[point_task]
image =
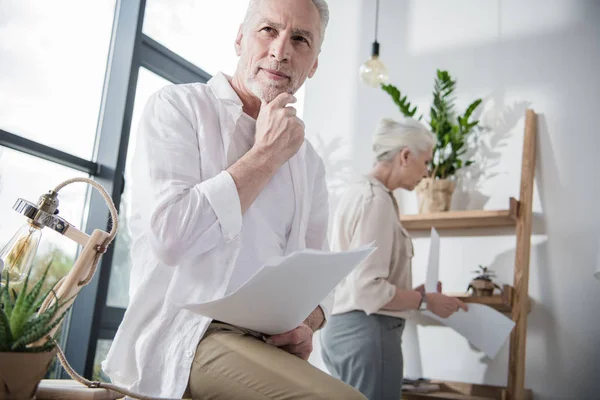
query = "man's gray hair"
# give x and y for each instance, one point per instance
(321, 5)
(392, 136)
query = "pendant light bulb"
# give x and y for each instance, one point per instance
(373, 72)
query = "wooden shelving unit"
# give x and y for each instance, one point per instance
(515, 298)
(463, 219)
(502, 302)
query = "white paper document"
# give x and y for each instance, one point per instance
(285, 291)
(483, 326)
(433, 270)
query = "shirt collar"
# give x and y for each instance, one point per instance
(220, 84)
(375, 182)
(231, 105)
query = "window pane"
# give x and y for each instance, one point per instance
(102, 348)
(118, 288)
(201, 31)
(53, 60)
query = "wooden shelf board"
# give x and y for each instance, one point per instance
(501, 302)
(463, 219)
(464, 391)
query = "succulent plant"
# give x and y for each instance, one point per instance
(21, 326)
(484, 274)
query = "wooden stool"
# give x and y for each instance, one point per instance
(66, 389)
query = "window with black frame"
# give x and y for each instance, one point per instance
(54, 57)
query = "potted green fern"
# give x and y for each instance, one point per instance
(451, 130)
(26, 351)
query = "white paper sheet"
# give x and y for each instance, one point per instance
(433, 269)
(285, 291)
(483, 326)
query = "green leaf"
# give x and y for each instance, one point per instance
(47, 316)
(20, 314)
(451, 130)
(35, 292)
(471, 109)
(41, 319)
(471, 125)
(26, 303)
(7, 298)
(401, 101)
(41, 300)
(37, 333)
(18, 321)
(5, 333)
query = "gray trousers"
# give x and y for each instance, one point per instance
(365, 352)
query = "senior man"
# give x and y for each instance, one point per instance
(223, 180)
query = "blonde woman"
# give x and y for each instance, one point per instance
(362, 339)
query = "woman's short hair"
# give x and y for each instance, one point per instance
(392, 136)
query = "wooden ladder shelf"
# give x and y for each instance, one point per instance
(514, 299)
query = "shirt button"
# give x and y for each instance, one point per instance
(189, 354)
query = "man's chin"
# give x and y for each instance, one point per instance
(269, 93)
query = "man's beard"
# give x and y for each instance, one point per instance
(270, 89)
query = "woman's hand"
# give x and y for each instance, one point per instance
(444, 306)
(421, 288)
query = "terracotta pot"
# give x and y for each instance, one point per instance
(482, 287)
(20, 374)
(434, 195)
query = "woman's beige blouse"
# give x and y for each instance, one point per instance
(368, 213)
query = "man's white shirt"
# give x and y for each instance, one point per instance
(268, 221)
(190, 241)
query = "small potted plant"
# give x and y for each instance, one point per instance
(451, 130)
(483, 284)
(26, 351)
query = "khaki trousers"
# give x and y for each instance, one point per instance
(235, 364)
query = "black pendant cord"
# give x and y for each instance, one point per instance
(376, 18)
(375, 49)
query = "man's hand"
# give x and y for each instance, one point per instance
(279, 135)
(444, 306)
(297, 342)
(315, 319)
(279, 132)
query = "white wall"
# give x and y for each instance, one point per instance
(514, 54)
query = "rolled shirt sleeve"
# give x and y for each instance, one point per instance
(184, 215)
